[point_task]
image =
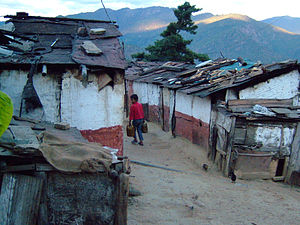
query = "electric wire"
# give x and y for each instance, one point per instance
(106, 11)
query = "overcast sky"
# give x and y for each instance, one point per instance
(257, 9)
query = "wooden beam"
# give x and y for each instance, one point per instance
(26, 119)
(265, 102)
(44, 167)
(285, 166)
(17, 168)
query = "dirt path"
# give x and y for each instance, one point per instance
(207, 198)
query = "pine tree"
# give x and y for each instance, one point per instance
(172, 46)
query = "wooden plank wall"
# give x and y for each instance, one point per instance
(20, 199)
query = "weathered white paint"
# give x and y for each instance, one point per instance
(86, 108)
(141, 89)
(48, 92)
(282, 87)
(270, 136)
(296, 101)
(184, 103)
(194, 106)
(231, 94)
(147, 93)
(201, 108)
(288, 136)
(12, 82)
(153, 94)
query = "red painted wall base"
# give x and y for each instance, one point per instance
(193, 129)
(154, 114)
(108, 136)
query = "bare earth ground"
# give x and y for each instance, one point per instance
(207, 198)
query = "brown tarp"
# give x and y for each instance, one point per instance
(71, 156)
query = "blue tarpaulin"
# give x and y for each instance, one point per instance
(238, 66)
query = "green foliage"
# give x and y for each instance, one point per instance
(6, 111)
(183, 14)
(173, 47)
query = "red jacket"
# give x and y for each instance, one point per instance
(136, 111)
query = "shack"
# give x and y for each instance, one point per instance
(209, 101)
(53, 176)
(66, 70)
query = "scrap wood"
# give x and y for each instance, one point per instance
(103, 80)
(273, 103)
(25, 119)
(7, 144)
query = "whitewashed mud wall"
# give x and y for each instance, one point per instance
(151, 95)
(87, 108)
(192, 118)
(147, 93)
(97, 114)
(12, 83)
(282, 87)
(275, 137)
(81, 107)
(194, 106)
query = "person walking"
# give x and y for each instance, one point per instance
(136, 116)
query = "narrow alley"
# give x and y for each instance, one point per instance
(198, 196)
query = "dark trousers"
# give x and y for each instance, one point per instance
(138, 127)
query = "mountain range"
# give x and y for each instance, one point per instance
(231, 35)
(288, 23)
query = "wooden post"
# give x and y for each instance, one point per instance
(122, 199)
(20, 199)
(295, 152)
(161, 108)
(229, 147)
(43, 209)
(214, 143)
